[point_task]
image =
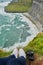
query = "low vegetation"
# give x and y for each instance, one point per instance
(21, 6)
(4, 54)
(41, 17)
(36, 44)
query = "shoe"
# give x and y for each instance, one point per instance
(15, 52)
(22, 53)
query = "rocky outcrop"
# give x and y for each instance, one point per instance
(37, 11)
(14, 0)
(37, 7)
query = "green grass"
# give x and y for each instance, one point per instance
(36, 44)
(19, 6)
(41, 17)
(16, 8)
(4, 54)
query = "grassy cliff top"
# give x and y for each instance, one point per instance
(4, 54)
(36, 44)
(21, 6)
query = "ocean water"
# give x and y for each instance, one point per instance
(15, 29)
(4, 0)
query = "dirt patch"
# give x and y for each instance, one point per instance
(37, 60)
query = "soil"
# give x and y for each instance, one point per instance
(38, 60)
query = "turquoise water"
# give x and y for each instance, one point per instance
(15, 28)
(11, 32)
(4, 0)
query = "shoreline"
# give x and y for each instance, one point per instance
(28, 38)
(23, 44)
(34, 22)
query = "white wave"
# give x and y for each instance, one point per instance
(5, 26)
(0, 32)
(8, 29)
(20, 26)
(4, 3)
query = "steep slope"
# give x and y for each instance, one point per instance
(37, 11)
(36, 44)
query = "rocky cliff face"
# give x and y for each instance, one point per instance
(37, 10)
(14, 0)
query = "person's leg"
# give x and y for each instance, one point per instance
(13, 61)
(22, 53)
(22, 57)
(22, 60)
(18, 61)
(15, 52)
(3, 61)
